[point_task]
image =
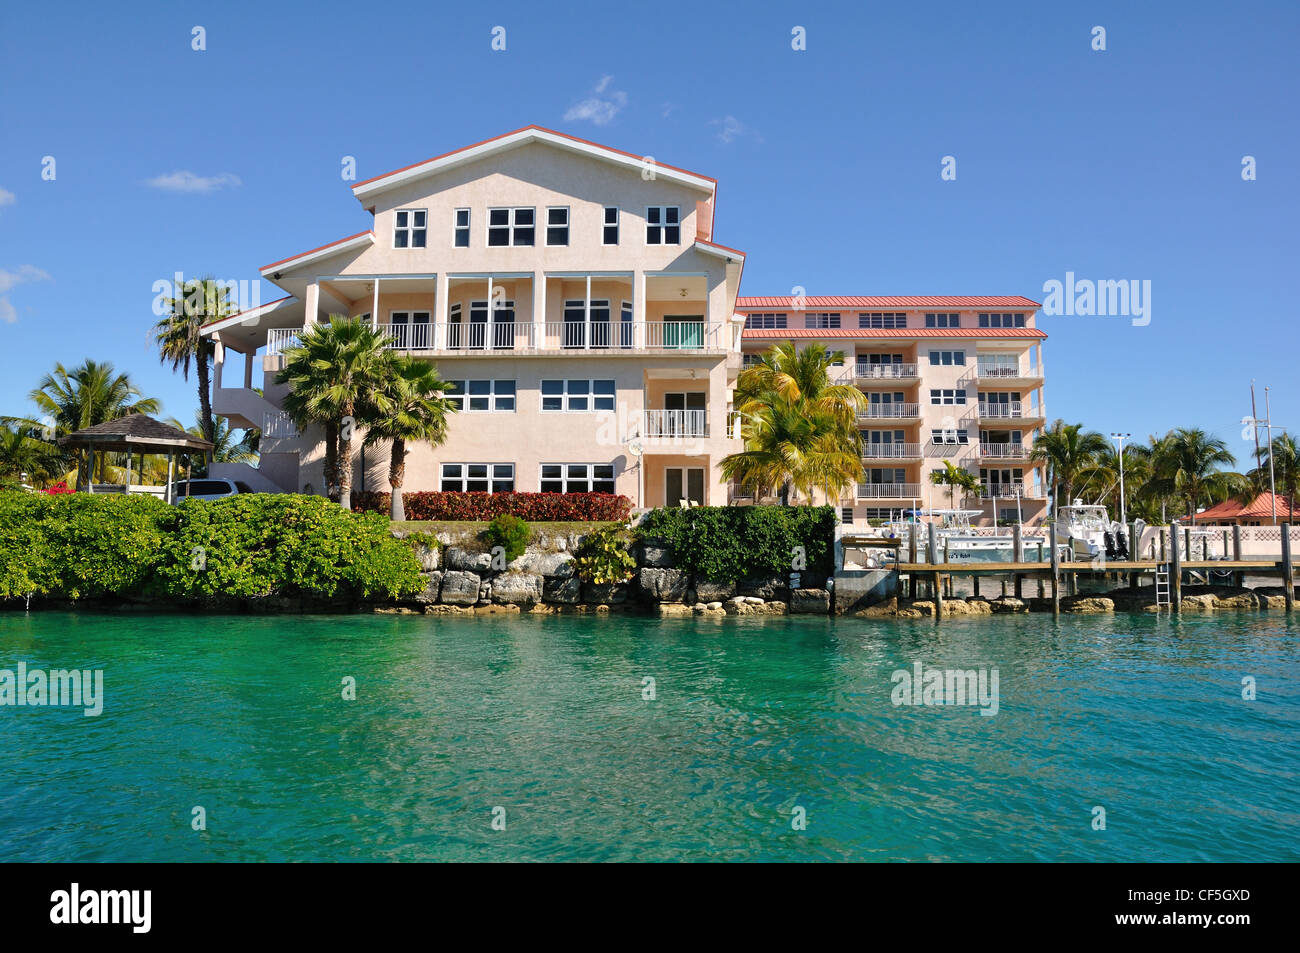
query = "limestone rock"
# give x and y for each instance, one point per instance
(544, 564)
(568, 590)
(765, 587)
(810, 602)
(604, 593)
(459, 588)
(655, 553)
(1087, 603)
(706, 590)
(662, 585)
(466, 561)
(427, 557)
(1007, 604)
(432, 585)
(517, 589)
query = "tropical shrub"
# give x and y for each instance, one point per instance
(603, 557)
(508, 532)
(474, 507)
(730, 543)
(87, 545)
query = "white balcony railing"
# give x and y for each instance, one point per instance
(889, 491)
(884, 371)
(556, 336)
(1009, 410)
(890, 451)
(888, 411)
(673, 424)
(1004, 451)
(1001, 369)
(1009, 491)
(278, 424)
(278, 340)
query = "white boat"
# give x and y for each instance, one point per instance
(1082, 528)
(958, 542)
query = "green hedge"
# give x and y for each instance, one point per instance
(730, 543)
(83, 546)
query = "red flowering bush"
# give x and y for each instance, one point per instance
(57, 488)
(533, 507)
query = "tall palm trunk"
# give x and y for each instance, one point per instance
(331, 455)
(205, 396)
(345, 460)
(396, 476)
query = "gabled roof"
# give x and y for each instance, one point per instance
(324, 251)
(519, 137)
(720, 251)
(252, 313)
(812, 302)
(1261, 507)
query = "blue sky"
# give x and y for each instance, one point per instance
(1122, 164)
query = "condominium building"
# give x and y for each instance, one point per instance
(956, 378)
(573, 296)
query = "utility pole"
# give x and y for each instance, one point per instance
(1123, 510)
(1268, 424)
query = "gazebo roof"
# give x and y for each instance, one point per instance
(136, 430)
(1261, 507)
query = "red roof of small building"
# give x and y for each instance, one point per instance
(1260, 508)
(813, 302)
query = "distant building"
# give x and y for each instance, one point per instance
(1258, 512)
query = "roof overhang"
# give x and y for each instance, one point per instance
(359, 240)
(719, 251)
(252, 316)
(530, 134)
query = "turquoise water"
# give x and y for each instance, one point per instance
(544, 717)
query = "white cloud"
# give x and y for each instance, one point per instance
(184, 181)
(730, 128)
(7, 198)
(600, 107)
(23, 274)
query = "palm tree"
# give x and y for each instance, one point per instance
(1188, 469)
(1070, 453)
(1101, 480)
(87, 395)
(179, 337)
(1284, 455)
(335, 369)
(1153, 457)
(799, 427)
(23, 452)
(955, 477)
(415, 411)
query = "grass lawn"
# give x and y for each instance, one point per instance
(459, 526)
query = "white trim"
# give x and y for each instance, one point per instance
(663, 224)
(252, 315)
(568, 234)
(617, 226)
(709, 249)
(523, 137)
(510, 226)
(364, 239)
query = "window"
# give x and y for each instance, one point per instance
(410, 228)
(878, 475)
(750, 359)
(948, 396)
(576, 326)
(557, 225)
(610, 233)
(765, 320)
(1008, 516)
(577, 478)
(1002, 320)
(846, 514)
(662, 226)
(882, 319)
(410, 330)
(950, 436)
(478, 477)
(481, 395)
(577, 395)
(510, 226)
(822, 319)
(941, 320)
(947, 358)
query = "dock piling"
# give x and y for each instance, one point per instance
(1017, 555)
(1288, 569)
(1175, 572)
(1056, 575)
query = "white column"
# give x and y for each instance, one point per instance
(488, 335)
(311, 304)
(441, 308)
(638, 309)
(374, 308)
(539, 310)
(168, 495)
(586, 311)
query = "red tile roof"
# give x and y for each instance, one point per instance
(1260, 508)
(812, 302)
(785, 334)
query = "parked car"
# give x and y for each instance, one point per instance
(208, 489)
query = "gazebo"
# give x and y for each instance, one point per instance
(132, 434)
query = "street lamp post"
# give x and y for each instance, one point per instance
(1123, 509)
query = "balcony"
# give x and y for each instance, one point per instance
(884, 372)
(1004, 451)
(891, 451)
(892, 411)
(1010, 410)
(559, 337)
(889, 491)
(1009, 491)
(278, 425)
(1009, 373)
(661, 425)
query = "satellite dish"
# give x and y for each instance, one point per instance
(634, 447)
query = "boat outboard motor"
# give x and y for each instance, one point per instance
(1110, 545)
(1121, 545)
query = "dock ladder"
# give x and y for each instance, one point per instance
(1162, 585)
